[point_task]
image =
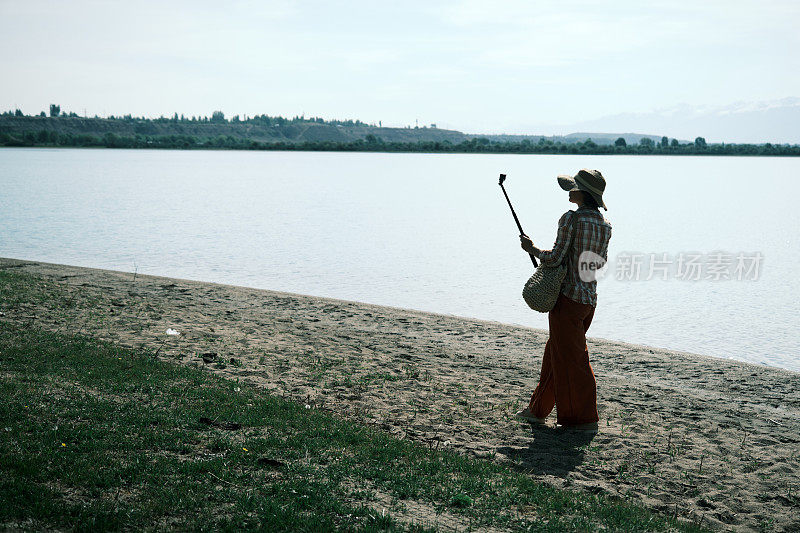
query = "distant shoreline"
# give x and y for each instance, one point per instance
(264, 133)
(794, 151)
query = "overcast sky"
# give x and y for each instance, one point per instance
(477, 66)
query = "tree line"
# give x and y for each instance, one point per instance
(373, 143)
(217, 117)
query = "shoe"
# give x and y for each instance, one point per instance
(527, 416)
(589, 427)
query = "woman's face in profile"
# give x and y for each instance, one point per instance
(576, 196)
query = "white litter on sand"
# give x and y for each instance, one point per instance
(171, 331)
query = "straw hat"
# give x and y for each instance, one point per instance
(591, 181)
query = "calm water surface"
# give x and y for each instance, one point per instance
(429, 232)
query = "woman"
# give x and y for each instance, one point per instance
(567, 380)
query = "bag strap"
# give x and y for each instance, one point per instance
(574, 224)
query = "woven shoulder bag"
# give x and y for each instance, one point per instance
(543, 287)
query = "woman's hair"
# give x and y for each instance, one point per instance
(589, 201)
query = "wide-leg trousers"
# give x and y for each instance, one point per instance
(567, 380)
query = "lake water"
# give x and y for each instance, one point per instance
(431, 232)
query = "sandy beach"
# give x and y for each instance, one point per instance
(710, 440)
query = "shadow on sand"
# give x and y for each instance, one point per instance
(554, 452)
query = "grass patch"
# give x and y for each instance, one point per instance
(22, 291)
(94, 436)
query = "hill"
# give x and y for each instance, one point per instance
(266, 130)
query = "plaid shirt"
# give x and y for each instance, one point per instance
(593, 232)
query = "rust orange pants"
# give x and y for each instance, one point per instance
(567, 380)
